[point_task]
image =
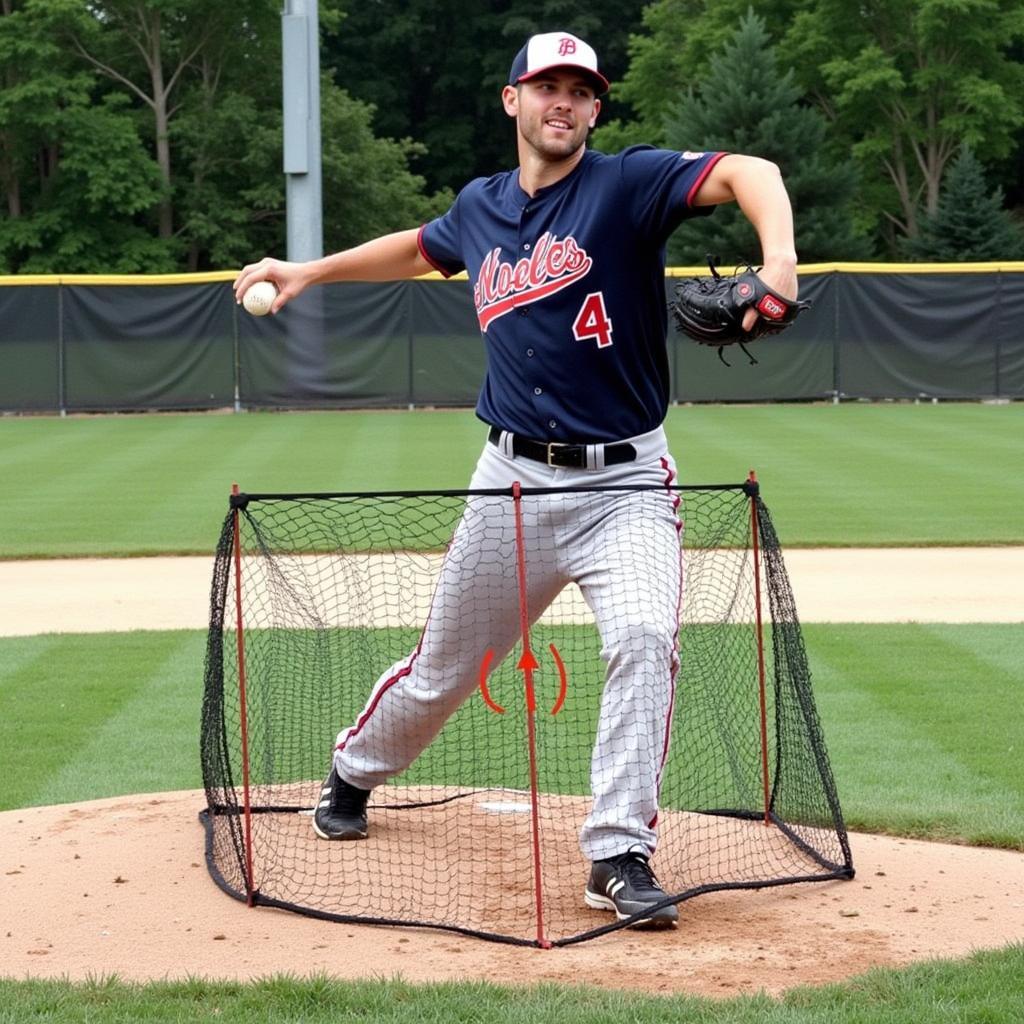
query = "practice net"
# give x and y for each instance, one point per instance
(320, 602)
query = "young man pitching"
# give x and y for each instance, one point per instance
(566, 253)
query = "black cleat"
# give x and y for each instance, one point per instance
(341, 812)
(626, 885)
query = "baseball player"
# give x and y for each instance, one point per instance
(566, 253)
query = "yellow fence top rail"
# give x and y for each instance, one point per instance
(101, 279)
(1008, 266)
(226, 276)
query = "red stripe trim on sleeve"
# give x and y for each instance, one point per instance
(426, 255)
(705, 171)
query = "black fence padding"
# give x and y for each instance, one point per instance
(117, 346)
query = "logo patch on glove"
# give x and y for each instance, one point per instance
(770, 307)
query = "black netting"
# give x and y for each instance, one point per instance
(380, 616)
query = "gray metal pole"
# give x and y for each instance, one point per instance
(300, 38)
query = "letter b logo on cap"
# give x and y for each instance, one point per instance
(566, 46)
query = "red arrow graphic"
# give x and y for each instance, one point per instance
(528, 665)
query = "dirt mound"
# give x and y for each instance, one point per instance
(120, 886)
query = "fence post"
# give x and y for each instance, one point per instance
(236, 358)
(837, 389)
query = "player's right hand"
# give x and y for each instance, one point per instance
(290, 279)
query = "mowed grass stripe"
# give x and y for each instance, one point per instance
(58, 692)
(891, 779)
(107, 491)
(934, 674)
(149, 485)
(138, 739)
(845, 475)
(1001, 650)
(866, 474)
(923, 729)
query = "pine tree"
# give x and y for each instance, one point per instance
(746, 105)
(969, 224)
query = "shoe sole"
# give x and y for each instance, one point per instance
(352, 834)
(669, 917)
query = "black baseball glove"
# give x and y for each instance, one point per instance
(710, 309)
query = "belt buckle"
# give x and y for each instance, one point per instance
(555, 444)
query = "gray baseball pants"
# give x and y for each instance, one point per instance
(623, 550)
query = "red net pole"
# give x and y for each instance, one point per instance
(250, 886)
(754, 536)
(528, 664)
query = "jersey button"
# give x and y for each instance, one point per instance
(552, 424)
(538, 391)
(526, 245)
(529, 352)
(523, 310)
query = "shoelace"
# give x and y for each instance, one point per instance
(638, 872)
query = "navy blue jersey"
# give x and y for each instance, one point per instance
(569, 288)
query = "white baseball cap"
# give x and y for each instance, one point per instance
(550, 50)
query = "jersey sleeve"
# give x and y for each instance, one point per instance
(439, 241)
(660, 185)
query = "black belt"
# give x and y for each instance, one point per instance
(555, 453)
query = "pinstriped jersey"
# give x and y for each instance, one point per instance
(569, 290)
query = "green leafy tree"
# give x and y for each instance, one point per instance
(906, 83)
(236, 207)
(746, 105)
(74, 172)
(433, 70)
(88, 183)
(230, 194)
(669, 56)
(969, 222)
(378, 192)
(226, 143)
(425, 68)
(148, 48)
(902, 84)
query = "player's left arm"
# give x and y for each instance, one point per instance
(757, 186)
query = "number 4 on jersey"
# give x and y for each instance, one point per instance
(592, 321)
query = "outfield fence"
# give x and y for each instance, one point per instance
(106, 343)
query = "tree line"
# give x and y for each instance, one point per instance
(145, 135)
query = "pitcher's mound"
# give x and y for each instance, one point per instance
(120, 886)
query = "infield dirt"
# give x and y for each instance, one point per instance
(120, 886)
(830, 585)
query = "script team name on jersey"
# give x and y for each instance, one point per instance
(553, 265)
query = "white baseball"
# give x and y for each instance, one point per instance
(259, 298)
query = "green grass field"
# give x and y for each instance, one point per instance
(847, 475)
(984, 988)
(923, 723)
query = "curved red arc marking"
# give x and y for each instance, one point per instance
(563, 679)
(485, 667)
